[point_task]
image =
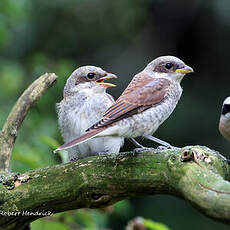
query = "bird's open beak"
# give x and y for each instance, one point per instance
(186, 69)
(105, 84)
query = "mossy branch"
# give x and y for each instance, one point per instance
(195, 173)
(10, 129)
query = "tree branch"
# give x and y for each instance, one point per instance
(194, 173)
(10, 129)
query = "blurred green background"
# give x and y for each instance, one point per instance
(122, 37)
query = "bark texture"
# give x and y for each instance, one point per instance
(194, 173)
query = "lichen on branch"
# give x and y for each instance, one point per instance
(196, 173)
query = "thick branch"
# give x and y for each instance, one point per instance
(10, 129)
(196, 173)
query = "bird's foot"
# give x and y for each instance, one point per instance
(162, 147)
(102, 153)
(73, 159)
(163, 144)
(144, 149)
(93, 154)
(137, 144)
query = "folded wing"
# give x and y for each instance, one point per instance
(142, 93)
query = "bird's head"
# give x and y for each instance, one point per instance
(88, 78)
(169, 67)
(225, 111)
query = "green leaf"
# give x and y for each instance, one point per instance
(123, 209)
(141, 223)
(152, 225)
(51, 142)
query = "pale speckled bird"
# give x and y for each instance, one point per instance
(224, 124)
(84, 103)
(145, 104)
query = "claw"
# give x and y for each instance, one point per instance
(145, 149)
(74, 159)
(102, 153)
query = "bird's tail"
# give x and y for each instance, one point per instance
(85, 137)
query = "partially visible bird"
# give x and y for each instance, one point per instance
(224, 123)
(146, 103)
(84, 103)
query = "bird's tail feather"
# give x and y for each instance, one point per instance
(85, 137)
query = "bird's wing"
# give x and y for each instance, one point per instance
(142, 93)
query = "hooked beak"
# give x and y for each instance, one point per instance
(186, 69)
(105, 84)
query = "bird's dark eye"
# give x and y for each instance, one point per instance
(225, 109)
(168, 65)
(90, 75)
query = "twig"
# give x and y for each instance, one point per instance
(10, 129)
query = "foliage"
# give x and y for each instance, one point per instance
(84, 219)
(122, 36)
(140, 223)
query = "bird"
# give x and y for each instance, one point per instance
(224, 123)
(145, 104)
(84, 102)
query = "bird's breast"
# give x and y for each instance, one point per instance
(80, 112)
